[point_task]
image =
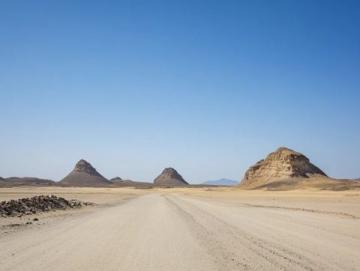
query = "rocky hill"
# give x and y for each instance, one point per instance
(119, 182)
(116, 179)
(84, 174)
(283, 164)
(170, 177)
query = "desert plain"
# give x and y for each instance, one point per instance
(189, 228)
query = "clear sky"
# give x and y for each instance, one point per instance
(207, 87)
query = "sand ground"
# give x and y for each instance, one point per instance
(186, 229)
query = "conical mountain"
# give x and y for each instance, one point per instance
(170, 177)
(84, 174)
(283, 164)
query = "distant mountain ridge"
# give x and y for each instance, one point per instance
(284, 169)
(222, 181)
(24, 181)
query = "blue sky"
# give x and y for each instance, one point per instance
(208, 87)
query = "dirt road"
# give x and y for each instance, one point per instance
(176, 232)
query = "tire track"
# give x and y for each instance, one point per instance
(263, 254)
(224, 258)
